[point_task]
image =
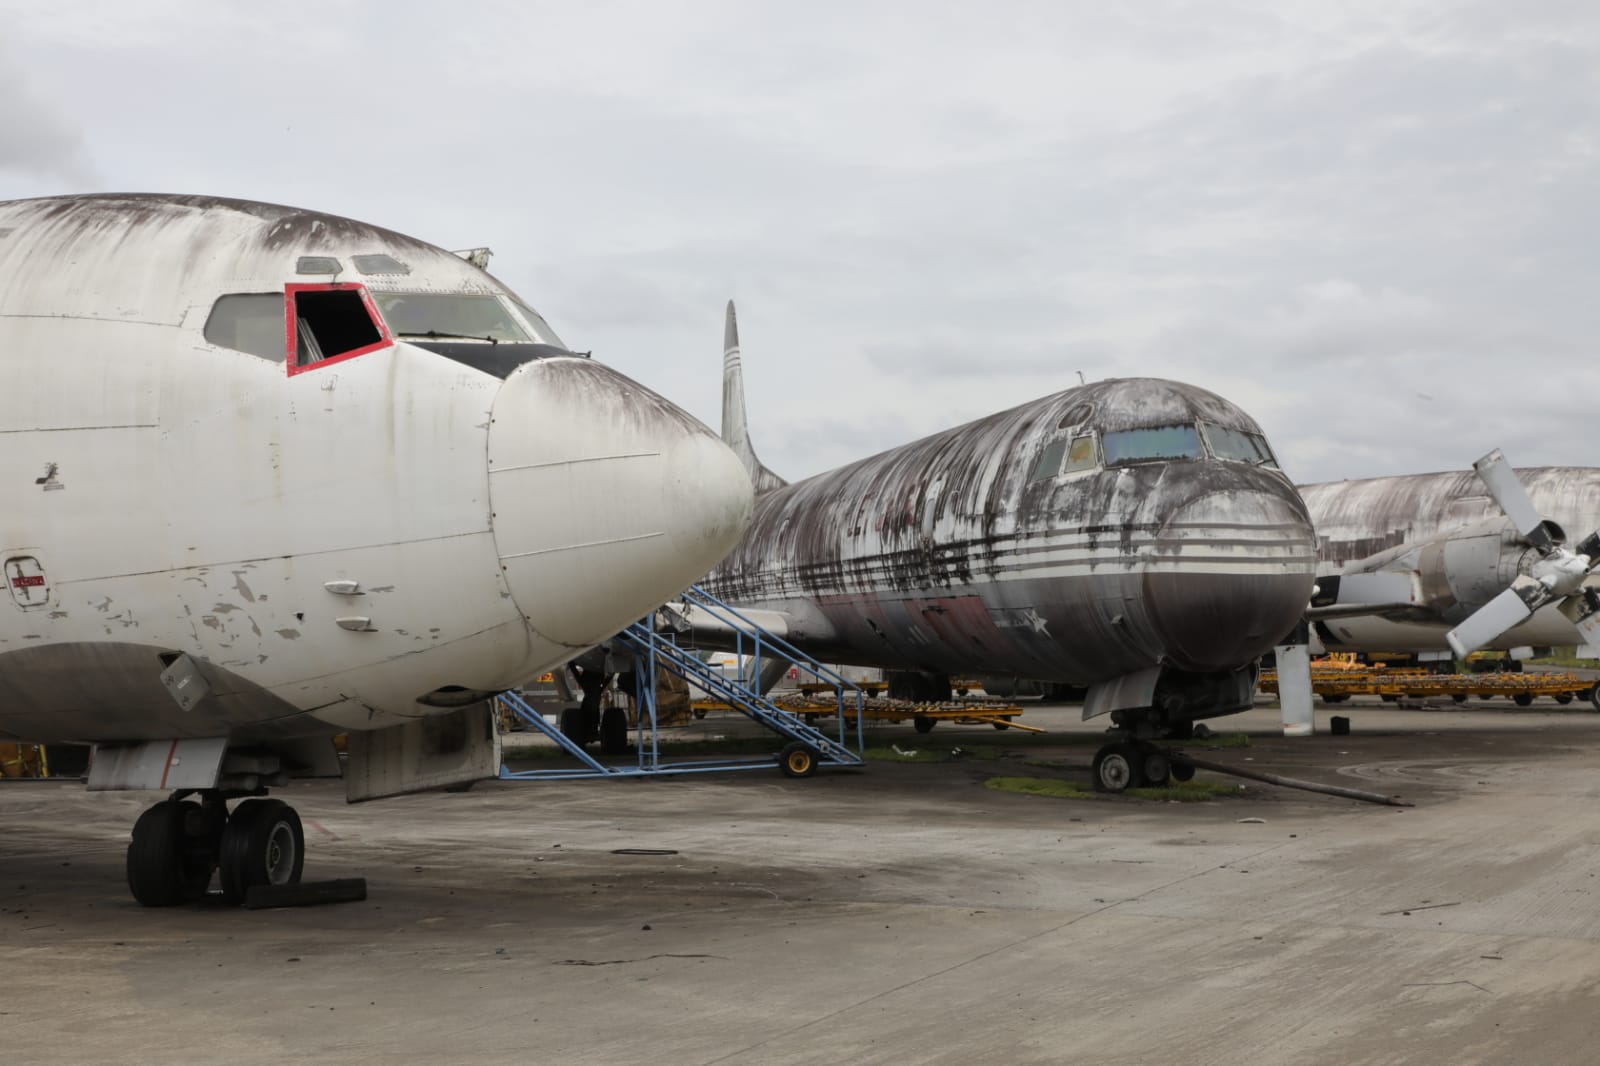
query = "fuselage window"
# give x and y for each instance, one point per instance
(1152, 444)
(1238, 444)
(447, 316)
(250, 322)
(331, 322)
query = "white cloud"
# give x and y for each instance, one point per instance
(1325, 212)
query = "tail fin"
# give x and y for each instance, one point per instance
(735, 423)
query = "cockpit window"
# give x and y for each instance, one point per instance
(330, 323)
(535, 319)
(449, 316)
(1080, 455)
(1049, 463)
(1238, 444)
(1152, 443)
(1065, 456)
(249, 322)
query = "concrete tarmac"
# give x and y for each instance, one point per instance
(904, 914)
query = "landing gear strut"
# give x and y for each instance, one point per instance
(177, 845)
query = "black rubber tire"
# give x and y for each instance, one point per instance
(1563, 698)
(1154, 766)
(922, 723)
(162, 869)
(263, 844)
(1459, 697)
(1116, 768)
(571, 722)
(698, 713)
(798, 760)
(614, 731)
(1523, 699)
(1002, 723)
(1182, 771)
(1337, 697)
(1594, 695)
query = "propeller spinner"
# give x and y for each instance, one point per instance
(1558, 574)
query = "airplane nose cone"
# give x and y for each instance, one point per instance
(1230, 576)
(608, 500)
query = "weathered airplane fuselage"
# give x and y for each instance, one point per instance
(1447, 531)
(343, 524)
(1026, 543)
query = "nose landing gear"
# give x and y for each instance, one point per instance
(177, 845)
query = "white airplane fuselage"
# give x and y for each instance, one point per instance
(340, 543)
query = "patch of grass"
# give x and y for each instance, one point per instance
(1039, 786)
(1187, 792)
(1184, 792)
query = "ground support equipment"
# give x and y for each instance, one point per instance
(656, 649)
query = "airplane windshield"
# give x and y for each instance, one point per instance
(1238, 444)
(1153, 443)
(447, 316)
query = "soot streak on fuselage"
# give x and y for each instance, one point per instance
(952, 553)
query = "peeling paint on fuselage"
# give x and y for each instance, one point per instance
(924, 556)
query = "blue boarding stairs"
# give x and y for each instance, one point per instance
(655, 648)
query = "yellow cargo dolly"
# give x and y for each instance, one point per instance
(923, 716)
(1335, 684)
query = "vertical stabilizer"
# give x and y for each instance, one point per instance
(735, 422)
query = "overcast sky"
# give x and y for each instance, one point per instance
(1373, 225)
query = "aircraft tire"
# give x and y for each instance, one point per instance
(1154, 766)
(162, 869)
(922, 723)
(798, 760)
(1116, 768)
(614, 731)
(262, 844)
(571, 723)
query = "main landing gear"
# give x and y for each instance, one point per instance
(1127, 764)
(178, 844)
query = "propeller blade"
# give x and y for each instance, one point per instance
(1590, 628)
(1511, 607)
(1507, 491)
(1294, 689)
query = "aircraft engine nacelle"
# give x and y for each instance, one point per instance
(1461, 573)
(1441, 580)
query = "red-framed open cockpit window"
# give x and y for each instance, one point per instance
(330, 323)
